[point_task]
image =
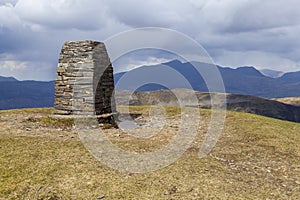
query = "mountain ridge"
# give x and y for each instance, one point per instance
(243, 80)
(7, 79)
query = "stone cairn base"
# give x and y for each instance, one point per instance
(84, 82)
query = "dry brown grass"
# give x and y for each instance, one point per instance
(289, 100)
(256, 158)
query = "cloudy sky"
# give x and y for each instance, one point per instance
(264, 34)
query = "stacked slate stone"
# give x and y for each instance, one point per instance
(84, 83)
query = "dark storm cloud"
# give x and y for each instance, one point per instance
(258, 15)
(259, 33)
(6, 2)
(58, 14)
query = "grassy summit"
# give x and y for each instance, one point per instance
(255, 158)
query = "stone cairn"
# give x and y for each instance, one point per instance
(84, 83)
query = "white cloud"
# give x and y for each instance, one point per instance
(13, 65)
(8, 17)
(27, 70)
(132, 64)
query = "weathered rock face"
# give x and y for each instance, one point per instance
(84, 82)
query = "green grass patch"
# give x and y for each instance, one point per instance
(61, 123)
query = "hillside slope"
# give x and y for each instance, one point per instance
(295, 101)
(255, 158)
(241, 103)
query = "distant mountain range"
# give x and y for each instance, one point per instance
(7, 79)
(25, 94)
(243, 80)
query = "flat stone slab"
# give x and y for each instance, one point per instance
(73, 116)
